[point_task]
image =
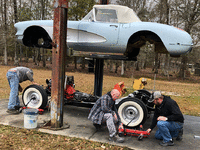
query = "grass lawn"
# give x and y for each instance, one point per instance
(12, 138)
(15, 138)
(188, 100)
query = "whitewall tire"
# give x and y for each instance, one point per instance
(34, 96)
(132, 112)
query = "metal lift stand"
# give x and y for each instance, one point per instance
(98, 83)
(58, 62)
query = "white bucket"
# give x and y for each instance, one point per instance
(30, 118)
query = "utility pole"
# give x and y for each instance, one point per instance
(58, 62)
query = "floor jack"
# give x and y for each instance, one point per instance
(132, 132)
(40, 111)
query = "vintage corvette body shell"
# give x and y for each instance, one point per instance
(108, 37)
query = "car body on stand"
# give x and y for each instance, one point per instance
(108, 29)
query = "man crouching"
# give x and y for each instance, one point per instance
(104, 112)
(168, 118)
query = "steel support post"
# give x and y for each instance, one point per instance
(98, 83)
(58, 62)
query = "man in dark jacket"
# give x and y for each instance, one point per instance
(168, 118)
(16, 76)
(104, 112)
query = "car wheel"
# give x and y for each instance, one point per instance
(132, 112)
(34, 96)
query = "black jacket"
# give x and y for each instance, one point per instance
(168, 108)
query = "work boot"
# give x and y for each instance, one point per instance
(170, 143)
(180, 135)
(117, 139)
(12, 111)
(18, 107)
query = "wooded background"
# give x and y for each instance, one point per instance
(184, 14)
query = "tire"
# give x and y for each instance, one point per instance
(132, 109)
(35, 96)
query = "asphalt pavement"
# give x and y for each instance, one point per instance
(81, 127)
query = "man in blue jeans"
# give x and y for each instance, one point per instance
(168, 118)
(16, 76)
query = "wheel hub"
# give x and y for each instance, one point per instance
(33, 98)
(130, 113)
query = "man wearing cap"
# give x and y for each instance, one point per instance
(104, 112)
(168, 118)
(16, 76)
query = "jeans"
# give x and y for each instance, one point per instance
(167, 130)
(13, 81)
(110, 121)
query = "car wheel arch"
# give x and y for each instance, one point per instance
(33, 34)
(138, 39)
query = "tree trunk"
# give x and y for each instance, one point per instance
(44, 57)
(34, 55)
(83, 63)
(5, 35)
(20, 54)
(137, 66)
(116, 66)
(42, 10)
(166, 67)
(145, 61)
(75, 62)
(26, 58)
(111, 66)
(16, 62)
(38, 57)
(15, 21)
(5, 52)
(155, 68)
(122, 70)
(183, 67)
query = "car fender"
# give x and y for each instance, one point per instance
(176, 41)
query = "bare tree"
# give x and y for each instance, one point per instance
(111, 65)
(1, 25)
(122, 68)
(15, 21)
(5, 34)
(189, 13)
(43, 17)
(137, 5)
